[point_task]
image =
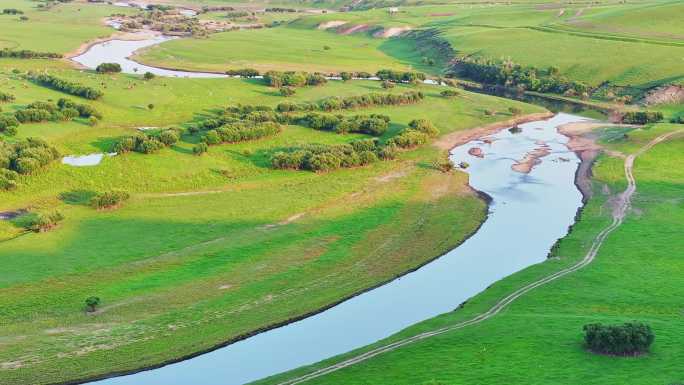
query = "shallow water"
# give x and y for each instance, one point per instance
(119, 51)
(529, 212)
(84, 160)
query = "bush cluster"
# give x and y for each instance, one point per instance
(41, 223)
(642, 117)
(243, 72)
(28, 54)
(449, 93)
(631, 338)
(108, 199)
(506, 73)
(108, 68)
(321, 158)
(418, 132)
(6, 98)
(64, 110)
(279, 79)
(67, 86)
(374, 124)
(8, 124)
(400, 77)
(240, 132)
(26, 156)
(351, 102)
(145, 143)
(12, 11)
(8, 179)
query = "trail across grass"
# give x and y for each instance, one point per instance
(382, 355)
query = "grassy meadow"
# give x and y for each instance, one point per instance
(538, 339)
(208, 247)
(212, 247)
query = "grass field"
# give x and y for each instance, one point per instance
(284, 48)
(61, 28)
(212, 247)
(195, 269)
(538, 339)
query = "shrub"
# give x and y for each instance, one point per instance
(449, 93)
(200, 149)
(92, 303)
(107, 68)
(345, 76)
(109, 199)
(149, 76)
(425, 126)
(642, 117)
(245, 73)
(150, 106)
(6, 98)
(628, 339)
(8, 179)
(44, 222)
(26, 156)
(287, 91)
(515, 111)
(408, 139)
(8, 124)
(168, 137)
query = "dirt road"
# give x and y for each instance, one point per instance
(619, 213)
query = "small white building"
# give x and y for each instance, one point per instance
(393, 10)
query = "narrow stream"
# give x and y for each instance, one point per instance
(528, 213)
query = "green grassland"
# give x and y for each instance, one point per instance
(582, 41)
(538, 339)
(208, 248)
(61, 28)
(283, 48)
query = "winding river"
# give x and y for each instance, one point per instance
(527, 214)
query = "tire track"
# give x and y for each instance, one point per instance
(619, 213)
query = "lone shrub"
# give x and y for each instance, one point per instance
(109, 199)
(449, 93)
(200, 148)
(629, 339)
(45, 222)
(92, 303)
(108, 68)
(515, 111)
(148, 76)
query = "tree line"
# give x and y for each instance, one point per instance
(321, 158)
(28, 54)
(66, 86)
(509, 74)
(642, 117)
(279, 79)
(400, 76)
(352, 102)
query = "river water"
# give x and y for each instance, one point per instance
(528, 213)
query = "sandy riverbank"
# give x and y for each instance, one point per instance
(449, 141)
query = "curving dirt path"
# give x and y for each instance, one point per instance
(619, 213)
